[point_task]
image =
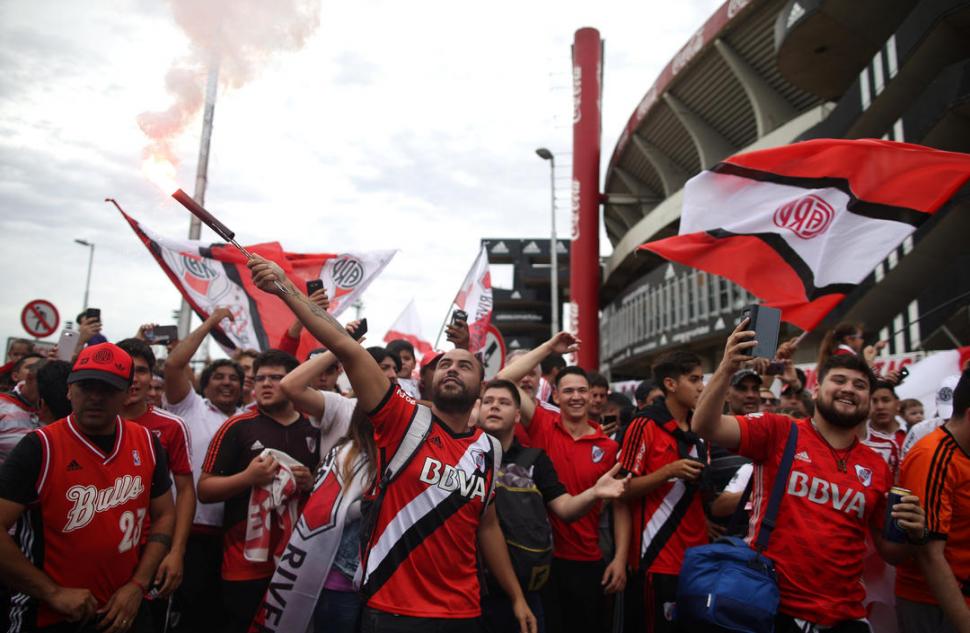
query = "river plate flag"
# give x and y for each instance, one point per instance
(215, 275)
(408, 327)
(799, 226)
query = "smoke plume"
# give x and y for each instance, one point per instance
(237, 35)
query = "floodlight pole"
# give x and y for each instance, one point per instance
(545, 154)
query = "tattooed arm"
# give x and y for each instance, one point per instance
(369, 382)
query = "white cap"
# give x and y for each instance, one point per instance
(944, 396)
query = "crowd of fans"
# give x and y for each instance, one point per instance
(137, 494)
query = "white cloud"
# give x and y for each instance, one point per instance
(399, 125)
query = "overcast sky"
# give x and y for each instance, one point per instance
(398, 125)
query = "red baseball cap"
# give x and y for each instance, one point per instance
(105, 362)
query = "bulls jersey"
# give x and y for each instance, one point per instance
(172, 434)
(422, 555)
(819, 539)
(89, 500)
(670, 518)
(937, 470)
(579, 463)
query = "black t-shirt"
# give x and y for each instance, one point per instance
(243, 438)
(20, 471)
(543, 472)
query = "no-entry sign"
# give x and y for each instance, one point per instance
(494, 352)
(40, 318)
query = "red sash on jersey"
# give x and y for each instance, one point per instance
(92, 507)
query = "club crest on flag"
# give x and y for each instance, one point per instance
(864, 474)
(598, 454)
(807, 217)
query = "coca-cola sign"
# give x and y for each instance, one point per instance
(806, 217)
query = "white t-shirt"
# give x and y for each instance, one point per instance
(335, 422)
(917, 432)
(202, 420)
(740, 480)
(410, 387)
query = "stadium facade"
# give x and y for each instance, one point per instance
(765, 73)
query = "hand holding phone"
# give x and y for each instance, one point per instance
(361, 330)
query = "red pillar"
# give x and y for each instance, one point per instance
(584, 267)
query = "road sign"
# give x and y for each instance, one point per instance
(494, 352)
(40, 318)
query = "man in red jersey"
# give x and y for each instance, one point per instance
(666, 459)
(174, 438)
(581, 453)
(236, 464)
(836, 491)
(89, 480)
(420, 569)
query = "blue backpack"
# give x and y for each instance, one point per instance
(727, 585)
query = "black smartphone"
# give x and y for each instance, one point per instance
(361, 330)
(609, 419)
(93, 313)
(766, 323)
(775, 368)
(313, 285)
(459, 315)
(162, 335)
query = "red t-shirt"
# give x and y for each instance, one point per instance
(579, 463)
(422, 558)
(819, 539)
(659, 514)
(172, 434)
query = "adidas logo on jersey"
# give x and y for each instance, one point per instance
(89, 500)
(257, 446)
(803, 456)
(73, 465)
(825, 493)
(450, 479)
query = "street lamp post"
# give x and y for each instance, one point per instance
(545, 154)
(87, 284)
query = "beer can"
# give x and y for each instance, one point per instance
(891, 530)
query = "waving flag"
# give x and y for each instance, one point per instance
(475, 298)
(408, 327)
(215, 275)
(799, 226)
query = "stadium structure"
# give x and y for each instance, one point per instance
(765, 73)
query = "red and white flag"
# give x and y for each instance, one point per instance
(475, 298)
(927, 376)
(214, 275)
(408, 327)
(799, 226)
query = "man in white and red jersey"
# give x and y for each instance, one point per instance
(883, 433)
(18, 408)
(88, 480)
(420, 569)
(836, 491)
(581, 453)
(221, 383)
(666, 459)
(174, 438)
(236, 466)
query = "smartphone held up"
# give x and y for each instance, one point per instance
(766, 324)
